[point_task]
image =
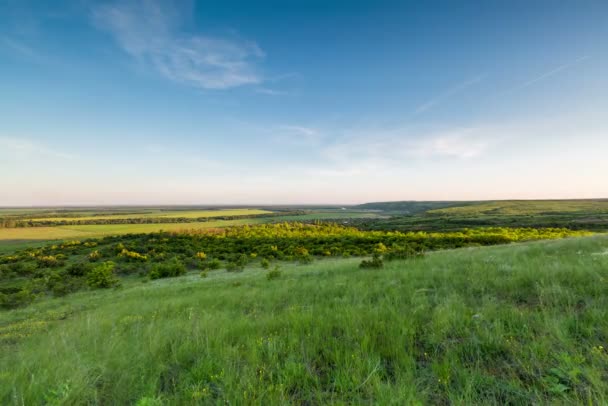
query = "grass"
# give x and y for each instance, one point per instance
(160, 214)
(12, 239)
(16, 238)
(517, 324)
(526, 207)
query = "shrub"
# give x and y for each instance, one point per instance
(214, 264)
(102, 276)
(403, 253)
(234, 267)
(172, 268)
(374, 263)
(48, 261)
(79, 268)
(204, 274)
(18, 299)
(60, 284)
(132, 255)
(265, 263)
(274, 273)
(94, 256)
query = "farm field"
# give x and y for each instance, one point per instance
(161, 214)
(15, 237)
(514, 324)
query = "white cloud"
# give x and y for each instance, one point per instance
(298, 135)
(149, 31)
(386, 149)
(21, 148)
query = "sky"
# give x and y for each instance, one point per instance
(292, 102)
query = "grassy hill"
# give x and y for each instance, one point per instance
(526, 207)
(409, 207)
(519, 324)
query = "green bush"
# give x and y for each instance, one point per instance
(171, 268)
(102, 276)
(374, 263)
(265, 263)
(406, 252)
(79, 268)
(274, 273)
(60, 283)
(12, 300)
(214, 264)
(234, 267)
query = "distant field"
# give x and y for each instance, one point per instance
(13, 235)
(526, 207)
(161, 214)
(15, 238)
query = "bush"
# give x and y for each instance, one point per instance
(60, 284)
(102, 276)
(22, 298)
(79, 269)
(214, 264)
(374, 263)
(94, 256)
(274, 273)
(234, 267)
(265, 263)
(172, 268)
(406, 252)
(204, 274)
(132, 255)
(49, 261)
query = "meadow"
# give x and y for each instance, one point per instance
(391, 303)
(523, 323)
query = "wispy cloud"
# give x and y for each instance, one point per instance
(22, 49)
(21, 148)
(402, 147)
(270, 92)
(445, 95)
(150, 31)
(298, 135)
(549, 73)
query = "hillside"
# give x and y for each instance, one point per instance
(519, 324)
(409, 207)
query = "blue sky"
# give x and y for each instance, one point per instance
(211, 102)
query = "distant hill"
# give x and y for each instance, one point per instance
(411, 207)
(492, 207)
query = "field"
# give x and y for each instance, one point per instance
(527, 207)
(12, 238)
(160, 214)
(391, 303)
(443, 216)
(516, 324)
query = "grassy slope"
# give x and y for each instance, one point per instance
(520, 323)
(527, 207)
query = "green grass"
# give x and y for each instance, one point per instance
(99, 230)
(517, 324)
(526, 207)
(16, 238)
(159, 214)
